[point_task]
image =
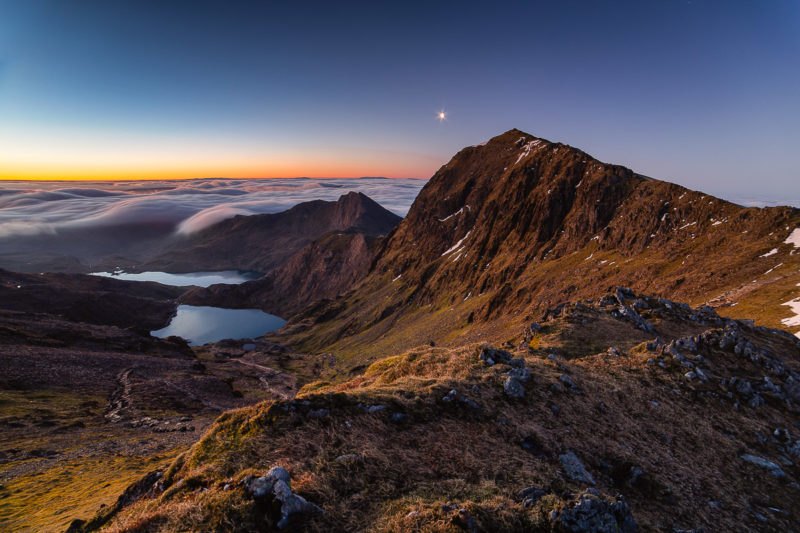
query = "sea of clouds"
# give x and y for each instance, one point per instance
(39, 208)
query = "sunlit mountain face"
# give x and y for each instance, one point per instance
(87, 221)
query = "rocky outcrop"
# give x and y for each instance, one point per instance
(592, 514)
(274, 491)
(324, 268)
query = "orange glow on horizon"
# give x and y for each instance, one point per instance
(329, 171)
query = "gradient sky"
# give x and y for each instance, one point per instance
(706, 94)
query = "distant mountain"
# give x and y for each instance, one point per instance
(263, 242)
(516, 225)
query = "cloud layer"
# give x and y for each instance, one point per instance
(40, 208)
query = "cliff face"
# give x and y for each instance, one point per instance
(520, 223)
(263, 242)
(324, 268)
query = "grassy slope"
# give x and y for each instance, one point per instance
(629, 413)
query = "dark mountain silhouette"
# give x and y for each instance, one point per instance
(262, 242)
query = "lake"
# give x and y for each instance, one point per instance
(201, 279)
(200, 325)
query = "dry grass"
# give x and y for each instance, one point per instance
(444, 454)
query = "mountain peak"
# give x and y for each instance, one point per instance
(509, 226)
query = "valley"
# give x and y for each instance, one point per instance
(546, 342)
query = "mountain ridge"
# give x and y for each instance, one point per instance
(510, 222)
(262, 242)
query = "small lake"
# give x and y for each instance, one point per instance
(201, 279)
(200, 325)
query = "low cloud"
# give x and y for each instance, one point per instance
(36, 208)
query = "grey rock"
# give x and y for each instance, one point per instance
(566, 380)
(347, 457)
(574, 468)
(520, 374)
(260, 487)
(755, 402)
(589, 513)
(375, 408)
(613, 352)
(513, 388)
(278, 472)
(491, 356)
(530, 495)
(637, 319)
(773, 468)
(291, 504)
(318, 413)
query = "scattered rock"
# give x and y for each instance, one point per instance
(492, 356)
(274, 489)
(455, 397)
(530, 495)
(574, 468)
(520, 374)
(591, 514)
(773, 468)
(513, 388)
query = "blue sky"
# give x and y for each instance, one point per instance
(697, 92)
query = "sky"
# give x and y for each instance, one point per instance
(701, 93)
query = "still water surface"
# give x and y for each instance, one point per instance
(201, 279)
(200, 325)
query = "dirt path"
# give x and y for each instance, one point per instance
(120, 399)
(279, 383)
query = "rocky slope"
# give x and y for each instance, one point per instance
(263, 242)
(511, 227)
(324, 268)
(624, 413)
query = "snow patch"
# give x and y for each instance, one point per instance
(794, 305)
(445, 219)
(771, 269)
(395, 279)
(526, 149)
(771, 252)
(793, 238)
(457, 245)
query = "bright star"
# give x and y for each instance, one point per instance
(441, 115)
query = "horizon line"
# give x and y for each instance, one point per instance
(214, 178)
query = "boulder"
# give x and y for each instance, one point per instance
(590, 513)
(513, 388)
(574, 468)
(274, 490)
